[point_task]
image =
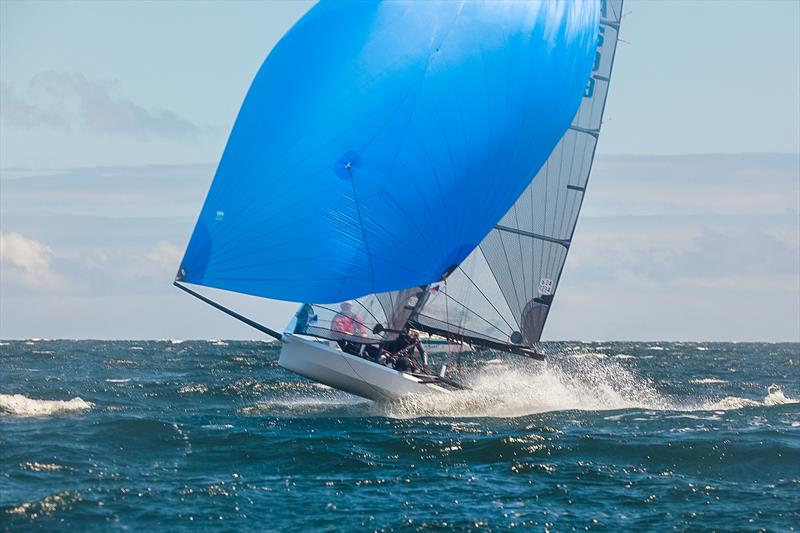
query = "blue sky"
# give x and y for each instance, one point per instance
(113, 115)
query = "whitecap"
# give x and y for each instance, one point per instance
(707, 381)
(126, 380)
(589, 355)
(20, 405)
(41, 467)
(217, 342)
(199, 388)
(775, 396)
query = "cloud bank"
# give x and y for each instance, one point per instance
(68, 100)
(693, 248)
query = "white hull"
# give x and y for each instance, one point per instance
(330, 366)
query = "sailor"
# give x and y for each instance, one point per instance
(349, 323)
(399, 343)
(304, 316)
(403, 347)
(423, 356)
(346, 321)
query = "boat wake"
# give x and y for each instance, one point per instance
(586, 384)
(20, 405)
(508, 390)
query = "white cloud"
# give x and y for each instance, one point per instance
(27, 261)
(69, 100)
(166, 255)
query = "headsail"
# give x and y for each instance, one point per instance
(501, 294)
(380, 142)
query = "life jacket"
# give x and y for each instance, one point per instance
(345, 324)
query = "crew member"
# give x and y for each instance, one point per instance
(347, 322)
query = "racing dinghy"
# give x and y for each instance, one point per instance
(418, 174)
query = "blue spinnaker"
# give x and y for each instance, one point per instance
(380, 142)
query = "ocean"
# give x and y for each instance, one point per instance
(179, 435)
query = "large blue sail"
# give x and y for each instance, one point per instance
(380, 142)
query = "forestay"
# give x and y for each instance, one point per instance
(501, 294)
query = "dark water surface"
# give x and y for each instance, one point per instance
(167, 435)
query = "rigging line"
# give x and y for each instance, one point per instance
(486, 298)
(358, 300)
(344, 357)
(447, 296)
(443, 331)
(510, 274)
(341, 314)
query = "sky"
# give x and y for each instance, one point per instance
(113, 116)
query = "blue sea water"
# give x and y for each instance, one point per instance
(170, 436)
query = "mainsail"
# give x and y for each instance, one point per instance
(380, 142)
(501, 294)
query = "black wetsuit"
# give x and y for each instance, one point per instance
(399, 344)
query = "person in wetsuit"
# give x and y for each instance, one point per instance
(402, 349)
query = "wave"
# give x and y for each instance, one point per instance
(775, 396)
(199, 388)
(41, 467)
(707, 381)
(20, 405)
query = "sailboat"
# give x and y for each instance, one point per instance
(408, 168)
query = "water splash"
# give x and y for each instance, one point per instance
(20, 405)
(509, 390)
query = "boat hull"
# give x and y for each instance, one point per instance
(330, 366)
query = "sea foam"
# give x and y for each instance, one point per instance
(19, 405)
